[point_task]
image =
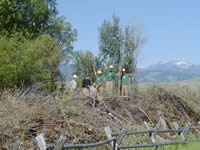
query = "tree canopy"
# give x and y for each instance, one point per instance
(33, 41)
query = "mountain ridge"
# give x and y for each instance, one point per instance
(170, 71)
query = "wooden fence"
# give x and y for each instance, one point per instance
(115, 139)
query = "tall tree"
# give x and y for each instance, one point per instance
(33, 41)
(111, 40)
(120, 46)
(134, 41)
(33, 18)
(23, 63)
(28, 16)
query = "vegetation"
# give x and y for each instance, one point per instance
(33, 42)
(23, 117)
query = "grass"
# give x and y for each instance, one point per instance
(190, 146)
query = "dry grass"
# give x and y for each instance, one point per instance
(82, 123)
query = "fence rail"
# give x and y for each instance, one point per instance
(115, 139)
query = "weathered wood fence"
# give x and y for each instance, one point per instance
(115, 139)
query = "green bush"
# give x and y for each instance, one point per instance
(49, 86)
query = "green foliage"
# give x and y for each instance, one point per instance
(49, 86)
(30, 17)
(33, 42)
(23, 62)
(120, 47)
(134, 40)
(83, 63)
(111, 40)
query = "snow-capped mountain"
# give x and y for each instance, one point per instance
(171, 71)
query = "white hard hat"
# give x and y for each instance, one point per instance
(111, 66)
(75, 76)
(99, 72)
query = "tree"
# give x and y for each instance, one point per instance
(31, 17)
(83, 62)
(120, 46)
(33, 41)
(134, 41)
(25, 62)
(111, 40)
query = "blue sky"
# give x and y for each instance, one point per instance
(171, 26)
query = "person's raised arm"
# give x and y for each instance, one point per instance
(105, 66)
(133, 71)
(94, 69)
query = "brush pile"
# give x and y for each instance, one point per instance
(22, 117)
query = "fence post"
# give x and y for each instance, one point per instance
(16, 145)
(183, 134)
(109, 136)
(61, 141)
(121, 136)
(185, 131)
(41, 142)
(156, 129)
(150, 134)
(178, 128)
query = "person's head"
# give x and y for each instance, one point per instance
(75, 77)
(99, 72)
(87, 77)
(111, 67)
(123, 70)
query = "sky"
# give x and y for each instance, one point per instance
(172, 27)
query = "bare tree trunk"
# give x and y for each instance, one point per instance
(120, 68)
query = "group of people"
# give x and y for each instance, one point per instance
(103, 84)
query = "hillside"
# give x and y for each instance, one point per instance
(169, 72)
(24, 116)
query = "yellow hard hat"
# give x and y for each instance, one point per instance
(123, 69)
(99, 72)
(75, 76)
(111, 66)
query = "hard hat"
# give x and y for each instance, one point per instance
(99, 72)
(123, 69)
(75, 76)
(111, 66)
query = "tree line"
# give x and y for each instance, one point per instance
(34, 40)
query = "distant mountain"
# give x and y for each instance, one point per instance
(160, 72)
(171, 71)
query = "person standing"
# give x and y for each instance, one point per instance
(73, 84)
(99, 83)
(110, 76)
(93, 93)
(86, 85)
(125, 82)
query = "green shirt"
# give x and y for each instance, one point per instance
(99, 79)
(110, 75)
(125, 78)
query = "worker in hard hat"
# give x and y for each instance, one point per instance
(110, 76)
(73, 84)
(99, 83)
(125, 82)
